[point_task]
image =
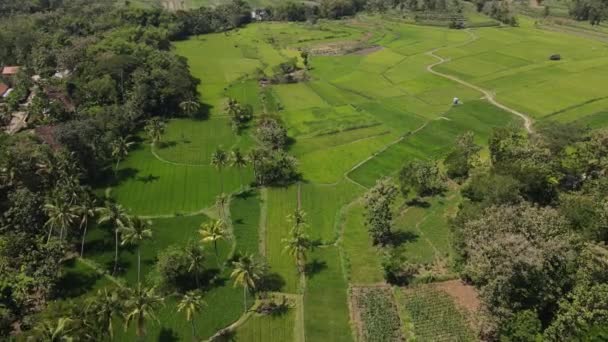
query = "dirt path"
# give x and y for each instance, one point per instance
(488, 95)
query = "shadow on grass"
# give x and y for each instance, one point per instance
(272, 282)
(418, 202)
(315, 267)
(400, 237)
(148, 179)
(167, 335)
(74, 283)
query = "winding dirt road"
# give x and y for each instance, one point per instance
(487, 95)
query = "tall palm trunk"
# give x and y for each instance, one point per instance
(221, 181)
(245, 298)
(140, 327)
(116, 167)
(84, 235)
(138, 264)
(50, 234)
(115, 250)
(193, 330)
(217, 255)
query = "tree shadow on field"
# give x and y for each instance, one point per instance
(272, 282)
(148, 179)
(314, 267)
(398, 238)
(167, 144)
(122, 175)
(73, 283)
(418, 202)
(167, 335)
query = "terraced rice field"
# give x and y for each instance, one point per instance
(358, 118)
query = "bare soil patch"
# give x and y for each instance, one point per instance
(464, 295)
(368, 50)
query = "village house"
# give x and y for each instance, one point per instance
(3, 90)
(259, 14)
(9, 73)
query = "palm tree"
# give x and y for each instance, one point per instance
(85, 210)
(247, 272)
(105, 306)
(219, 159)
(297, 219)
(255, 157)
(120, 149)
(140, 306)
(191, 304)
(196, 259)
(135, 232)
(55, 332)
(220, 204)
(155, 128)
(297, 245)
(117, 216)
(190, 106)
(213, 232)
(238, 160)
(60, 216)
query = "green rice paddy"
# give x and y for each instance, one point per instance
(358, 118)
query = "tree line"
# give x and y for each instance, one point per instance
(530, 234)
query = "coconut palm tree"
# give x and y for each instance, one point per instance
(297, 219)
(196, 259)
(60, 216)
(219, 159)
(297, 245)
(255, 157)
(55, 331)
(191, 304)
(155, 128)
(140, 306)
(120, 150)
(247, 272)
(213, 232)
(190, 106)
(220, 204)
(85, 210)
(116, 215)
(105, 306)
(238, 160)
(135, 232)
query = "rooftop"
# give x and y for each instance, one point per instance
(10, 70)
(3, 88)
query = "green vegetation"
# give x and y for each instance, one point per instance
(378, 313)
(261, 328)
(325, 299)
(202, 166)
(433, 314)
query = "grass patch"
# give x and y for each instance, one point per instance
(363, 258)
(325, 301)
(245, 214)
(263, 328)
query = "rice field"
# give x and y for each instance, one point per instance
(358, 117)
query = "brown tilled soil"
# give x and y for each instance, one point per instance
(465, 296)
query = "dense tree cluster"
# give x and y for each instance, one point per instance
(531, 233)
(594, 11)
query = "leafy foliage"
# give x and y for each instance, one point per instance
(379, 314)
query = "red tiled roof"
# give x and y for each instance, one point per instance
(10, 70)
(3, 88)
